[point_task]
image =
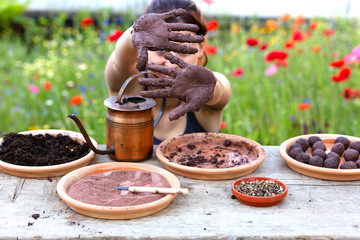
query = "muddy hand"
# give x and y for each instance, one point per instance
(152, 32)
(191, 83)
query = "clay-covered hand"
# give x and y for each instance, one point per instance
(152, 32)
(191, 83)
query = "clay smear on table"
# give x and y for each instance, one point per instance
(98, 189)
(225, 154)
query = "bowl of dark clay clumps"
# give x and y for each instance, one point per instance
(44, 153)
(259, 191)
(325, 156)
(210, 156)
(91, 190)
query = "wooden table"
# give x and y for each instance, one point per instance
(313, 209)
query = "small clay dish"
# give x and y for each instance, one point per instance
(258, 201)
(246, 153)
(319, 172)
(107, 212)
(49, 171)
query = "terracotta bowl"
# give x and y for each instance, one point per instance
(207, 140)
(49, 171)
(319, 172)
(115, 212)
(258, 201)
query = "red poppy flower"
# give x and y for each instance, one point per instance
(316, 48)
(276, 54)
(337, 63)
(328, 32)
(304, 106)
(350, 93)
(313, 26)
(47, 85)
(289, 45)
(115, 35)
(345, 72)
(298, 22)
(76, 100)
(271, 25)
(223, 125)
(285, 17)
(238, 72)
(212, 25)
(211, 50)
(342, 76)
(297, 36)
(252, 42)
(263, 46)
(88, 21)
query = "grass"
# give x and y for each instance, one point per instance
(263, 108)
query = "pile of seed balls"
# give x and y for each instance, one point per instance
(321, 157)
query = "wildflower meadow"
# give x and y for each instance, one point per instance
(290, 75)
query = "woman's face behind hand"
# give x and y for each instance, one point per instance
(157, 57)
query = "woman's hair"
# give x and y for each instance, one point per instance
(192, 16)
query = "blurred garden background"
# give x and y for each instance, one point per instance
(291, 73)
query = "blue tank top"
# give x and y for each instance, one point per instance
(192, 126)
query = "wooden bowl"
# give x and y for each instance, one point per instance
(49, 171)
(258, 201)
(105, 212)
(206, 140)
(320, 172)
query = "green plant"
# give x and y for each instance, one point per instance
(9, 10)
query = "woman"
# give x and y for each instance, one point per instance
(196, 97)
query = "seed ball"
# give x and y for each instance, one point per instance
(302, 157)
(351, 155)
(338, 148)
(343, 140)
(348, 165)
(357, 163)
(333, 155)
(320, 153)
(293, 153)
(318, 145)
(331, 163)
(303, 143)
(316, 161)
(294, 145)
(355, 145)
(313, 139)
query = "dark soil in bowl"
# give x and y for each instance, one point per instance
(40, 150)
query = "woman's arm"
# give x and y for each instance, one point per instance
(211, 114)
(222, 92)
(121, 64)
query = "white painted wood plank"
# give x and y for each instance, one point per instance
(314, 208)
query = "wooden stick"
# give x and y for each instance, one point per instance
(155, 190)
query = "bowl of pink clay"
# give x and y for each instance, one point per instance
(116, 190)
